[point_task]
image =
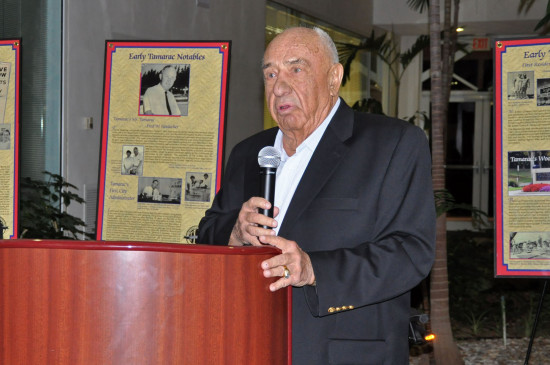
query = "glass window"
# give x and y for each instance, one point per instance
(38, 24)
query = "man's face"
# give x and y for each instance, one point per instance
(298, 77)
(155, 184)
(167, 78)
(128, 153)
(136, 151)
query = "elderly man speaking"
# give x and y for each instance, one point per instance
(354, 215)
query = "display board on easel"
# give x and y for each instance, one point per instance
(164, 110)
(10, 70)
(522, 157)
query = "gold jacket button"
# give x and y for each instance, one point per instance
(338, 309)
(331, 310)
(351, 307)
(344, 308)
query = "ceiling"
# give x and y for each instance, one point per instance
(489, 28)
(479, 18)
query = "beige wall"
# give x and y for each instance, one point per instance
(87, 24)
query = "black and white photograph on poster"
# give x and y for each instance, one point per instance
(528, 173)
(530, 245)
(164, 89)
(165, 190)
(521, 85)
(543, 92)
(132, 160)
(197, 186)
(5, 136)
(3, 227)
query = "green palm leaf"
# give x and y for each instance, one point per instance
(418, 5)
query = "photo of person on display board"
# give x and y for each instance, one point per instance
(164, 89)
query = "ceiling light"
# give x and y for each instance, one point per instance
(459, 29)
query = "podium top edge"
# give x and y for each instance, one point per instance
(137, 246)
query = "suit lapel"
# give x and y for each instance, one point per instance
(326, 158)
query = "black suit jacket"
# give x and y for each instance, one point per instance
(364, 212)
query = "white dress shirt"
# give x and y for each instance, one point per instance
(291, 168)
(154, 100)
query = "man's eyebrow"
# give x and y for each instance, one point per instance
(292, 61)
(295, 61)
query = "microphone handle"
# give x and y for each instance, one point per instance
(267, 189)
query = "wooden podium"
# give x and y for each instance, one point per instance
(125, 303)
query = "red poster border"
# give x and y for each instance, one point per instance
(501, 268)
(16, 47)
(224, 48)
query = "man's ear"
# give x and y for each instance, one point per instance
(336, 73)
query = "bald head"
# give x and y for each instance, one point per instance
(302, 79)
(323, 39)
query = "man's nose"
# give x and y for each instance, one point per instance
(281, 86)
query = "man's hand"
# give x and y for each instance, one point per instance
(249, 223)
(296, 261)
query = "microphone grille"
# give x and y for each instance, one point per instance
(269, 157)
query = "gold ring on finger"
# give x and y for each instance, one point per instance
(286, 272)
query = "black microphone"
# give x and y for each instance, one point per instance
(268, 159)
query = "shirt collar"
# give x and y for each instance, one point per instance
(312, 140)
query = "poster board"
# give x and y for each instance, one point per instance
(164, 110)
(10, 71)
(522, 157)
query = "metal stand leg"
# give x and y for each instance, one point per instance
(535, 324)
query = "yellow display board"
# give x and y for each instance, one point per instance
(164, 110)
(522, 157)
(10, 65)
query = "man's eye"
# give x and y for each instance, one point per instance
(297, 70)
